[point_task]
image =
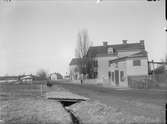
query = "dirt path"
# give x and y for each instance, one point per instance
(128, 104)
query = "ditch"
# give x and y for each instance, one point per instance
(65, 103)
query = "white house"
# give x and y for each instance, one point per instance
(123, 68)
(74, 69)
(115, 64)
(27, 78)
(55, 76)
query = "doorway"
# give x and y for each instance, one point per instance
(117, 77)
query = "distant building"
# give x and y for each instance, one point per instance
(55, 76)
(67, 77)
(116, 64)
(26, 78)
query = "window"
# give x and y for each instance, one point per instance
(110, 50)
(113, 76)
(136, 62)
(95, 74)
(122, 75)
(109, 75)
(95, 63)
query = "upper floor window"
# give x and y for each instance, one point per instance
(110, 50)
(136, 62)
(122, 75)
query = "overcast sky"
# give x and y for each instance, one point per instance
(43, 34)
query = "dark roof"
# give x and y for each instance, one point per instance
(102, 50)
(75, 61)
(139, 54)
(136, 55)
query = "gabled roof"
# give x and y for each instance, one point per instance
(102, 50)
(136, 55)
(139, 54)
(27, 77)
(75, 61)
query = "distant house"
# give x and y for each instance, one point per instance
(26, 78)
(55, 76)
(74, 69)
(116, 64)
(67, 77)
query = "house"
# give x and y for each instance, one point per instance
(122, 69)
(116, 64)
(26, 78)
(74, 69)
(55, 76)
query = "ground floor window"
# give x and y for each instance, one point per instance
(113, 76)
(109, 75)
(136, 63)
(95, 74)
(122, 75)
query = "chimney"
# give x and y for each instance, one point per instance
(105, 43)
(142, 42)
(124, 41)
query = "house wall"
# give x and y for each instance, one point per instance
(73, 74)
(137, 70)
(27, 80)
(103, 68)
(121, 66)
(103, 64)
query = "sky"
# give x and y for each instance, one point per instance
(42, 34)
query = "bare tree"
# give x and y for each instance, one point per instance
(81, 50)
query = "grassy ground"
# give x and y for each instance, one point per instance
(140, 103)
(25, 104)
(31, 94)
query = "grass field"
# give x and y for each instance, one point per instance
(26, 102)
